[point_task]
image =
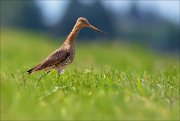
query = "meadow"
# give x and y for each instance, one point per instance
(107, 80)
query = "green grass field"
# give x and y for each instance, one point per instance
(106, 81)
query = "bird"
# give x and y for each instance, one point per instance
(65, 54)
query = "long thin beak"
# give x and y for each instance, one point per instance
(98, 30)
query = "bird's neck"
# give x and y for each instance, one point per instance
(72, 36)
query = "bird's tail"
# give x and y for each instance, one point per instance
(30, 71)
(36, 68)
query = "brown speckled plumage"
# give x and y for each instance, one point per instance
(65, 54)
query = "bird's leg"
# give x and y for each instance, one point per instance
(59, 74)
(42, 77)
(58, 77)
(60, 71)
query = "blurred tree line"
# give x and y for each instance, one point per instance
(21, 14)
(136, 26)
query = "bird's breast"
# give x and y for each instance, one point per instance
(71, 54)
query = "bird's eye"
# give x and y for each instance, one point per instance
(84, 21)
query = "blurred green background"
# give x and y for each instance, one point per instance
(132, 74)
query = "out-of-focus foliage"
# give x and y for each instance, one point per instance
(136, 26)
(21, 14)
(147, 27)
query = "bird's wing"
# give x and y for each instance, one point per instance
(56, 57)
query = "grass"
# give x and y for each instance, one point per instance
(106, 81)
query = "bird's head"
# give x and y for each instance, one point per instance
(83, 22)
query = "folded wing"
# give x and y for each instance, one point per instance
(56, 57)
